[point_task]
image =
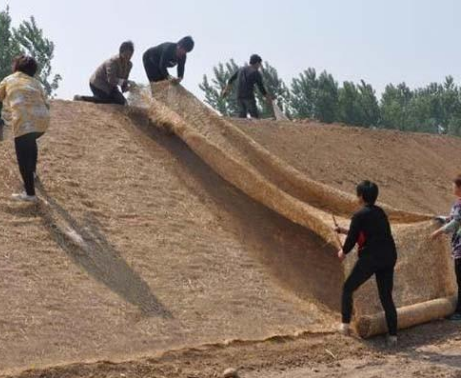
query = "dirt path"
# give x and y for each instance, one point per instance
(428, 351)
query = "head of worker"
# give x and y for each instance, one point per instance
(256, 61)
(367, 193)
(126, 50)
(25, 64)
(185, 46)
(457, 186)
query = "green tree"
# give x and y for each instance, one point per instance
(303, 94)
(349, 107)
(327, 98)
(368, 104)
(29, 39)
(395, 106)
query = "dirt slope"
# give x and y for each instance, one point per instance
(139, 247)
(413, 170)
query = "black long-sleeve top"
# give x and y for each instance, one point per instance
(248, 77)
(370, 229)
(164, 56)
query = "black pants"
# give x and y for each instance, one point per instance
(248, 106)
(362, 272)
(152, 71)
(458, 279)
(101, 97)
(27, 154)
(2, 126)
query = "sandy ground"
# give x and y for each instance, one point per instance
(138, 248)
(426, 352)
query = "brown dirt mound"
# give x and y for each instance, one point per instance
(139, 247)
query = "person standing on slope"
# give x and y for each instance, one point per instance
(370, 229)
(158, 59)
(26, 111)
(247, 77)
(452, 225)
(110, 75)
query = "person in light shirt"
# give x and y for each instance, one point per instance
(26, 111)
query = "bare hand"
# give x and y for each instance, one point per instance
(341, 255)
(435, 235)
(175, 80)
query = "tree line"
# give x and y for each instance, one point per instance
(435, 108)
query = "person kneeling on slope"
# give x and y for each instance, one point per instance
(370, 229)
(158, 59)
(110, 75)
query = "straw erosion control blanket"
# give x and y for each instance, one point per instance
(424, 279)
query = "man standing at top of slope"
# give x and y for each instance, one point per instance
(248, 77)
(158, 59)
(110, 75)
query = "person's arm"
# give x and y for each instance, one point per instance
(167, 54)
(233, 78)
(128, 71)
(260, 84)
(181, 68)
(2, 91)
(353, 234)
(452, 223)
(112, 73)
(44, 97)
(228, 86)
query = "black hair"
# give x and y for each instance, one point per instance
(369, 192)
(255, 59)
(25, 64)
(187, 43)
(126, 46)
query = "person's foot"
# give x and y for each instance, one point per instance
(77, 98)
(24, 197)
(455, 317)
(391, 341)
(344, 329)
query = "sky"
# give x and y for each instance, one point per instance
(381, 42)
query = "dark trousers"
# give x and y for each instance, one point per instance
(152, 71)
(101, 97)
(27, 155)
(458, 279)
(363, 270)
(2, 126)
(248, 106)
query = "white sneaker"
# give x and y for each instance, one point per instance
(24, 197)
(344, 329)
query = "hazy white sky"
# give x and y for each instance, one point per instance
(416, 41)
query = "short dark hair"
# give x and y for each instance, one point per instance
(255, 59)
(126, 46)
(25, 64)
(187, 43)
(369, 192)
(457, 181)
